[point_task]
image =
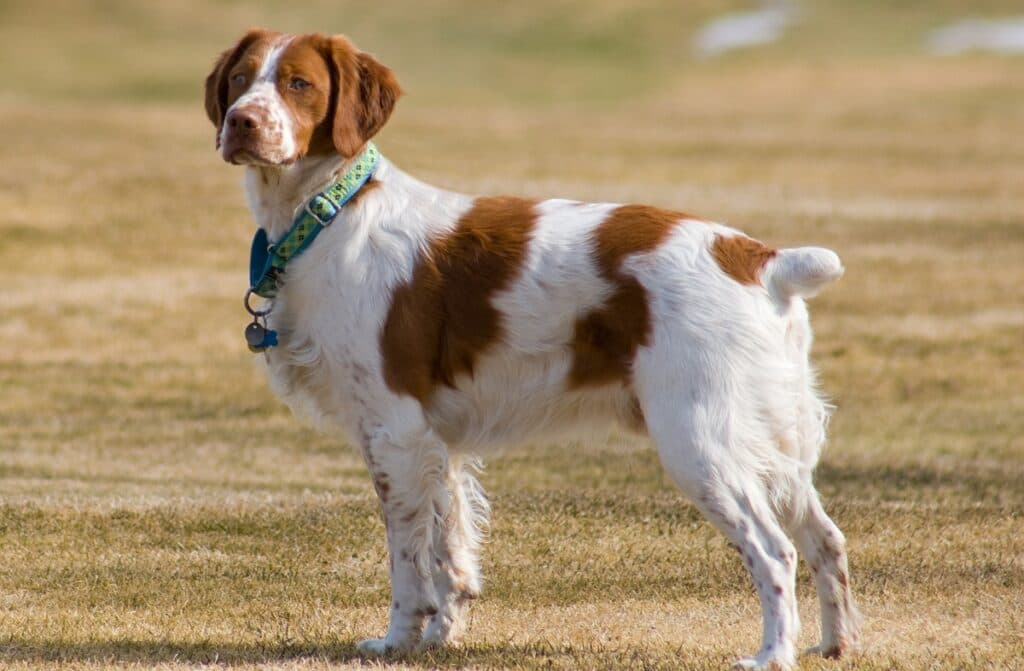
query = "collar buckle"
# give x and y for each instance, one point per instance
(321, 202)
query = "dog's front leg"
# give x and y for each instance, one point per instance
(457, 550)
(409, 471)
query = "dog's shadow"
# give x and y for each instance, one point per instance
(147, 652)
(133, 651)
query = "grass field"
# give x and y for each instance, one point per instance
(158, 507)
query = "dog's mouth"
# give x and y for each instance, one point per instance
(253, 151)
(242, 157)
(249, 157)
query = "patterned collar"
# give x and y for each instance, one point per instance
(267, 261)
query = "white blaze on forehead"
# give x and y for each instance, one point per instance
(268, 70)
(277, 129)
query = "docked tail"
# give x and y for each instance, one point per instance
(801, 271)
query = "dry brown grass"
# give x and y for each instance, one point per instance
(161, 509)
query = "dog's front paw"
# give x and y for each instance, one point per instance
(428, 644)
(445, 628)
(375, 647)
(438, 638)
(763, 662)
(828, 651)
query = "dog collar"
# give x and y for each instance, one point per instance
(267, 261)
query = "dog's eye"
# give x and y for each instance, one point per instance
(238, 80)
(298, 84)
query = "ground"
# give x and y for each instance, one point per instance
(159, 507)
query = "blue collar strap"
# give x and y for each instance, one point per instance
(267, 261)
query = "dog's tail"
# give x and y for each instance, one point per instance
(800, 271)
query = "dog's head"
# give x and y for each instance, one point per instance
(276, 98)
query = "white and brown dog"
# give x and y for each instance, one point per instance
(434, 327)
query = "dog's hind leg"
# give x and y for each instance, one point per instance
(703, 451)
(456, 555)
(817, 537)
(824, 548)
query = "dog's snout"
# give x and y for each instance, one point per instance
(243, 120)
(253, 131)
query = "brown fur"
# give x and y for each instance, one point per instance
(350, 98)
(634, 419)
(218, 85)
(364, 95)
(371, 185)
(606, 339)
(442, 320)
(741, 258)
(310, 108)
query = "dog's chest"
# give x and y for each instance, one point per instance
(328, 316)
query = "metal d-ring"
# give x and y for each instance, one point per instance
(253, 312)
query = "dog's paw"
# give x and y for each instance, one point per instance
(826, 651)
(443, 630)
(436, 638)
(428, 644)
(758, 664)
(374, 647)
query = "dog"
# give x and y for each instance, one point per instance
(432, 328)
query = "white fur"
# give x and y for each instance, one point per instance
(277, 126)
(725, 387)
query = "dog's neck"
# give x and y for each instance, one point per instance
(275, 193)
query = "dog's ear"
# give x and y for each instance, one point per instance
(217, 80)
(364, 93)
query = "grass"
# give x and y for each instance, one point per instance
(159, 508)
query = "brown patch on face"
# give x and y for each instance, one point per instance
(338, 96)
(442, 320)
(304, 82)
(741, 258)
(245, 57)
(606, 339)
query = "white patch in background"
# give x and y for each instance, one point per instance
(739, 30)
(1001, 35)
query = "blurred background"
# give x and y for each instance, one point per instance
(159, 505)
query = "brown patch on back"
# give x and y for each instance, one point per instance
(606, 339)
(741, 258)
(443, 319)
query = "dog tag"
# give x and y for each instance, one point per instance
(254, 335)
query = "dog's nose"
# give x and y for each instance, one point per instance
(243, 120)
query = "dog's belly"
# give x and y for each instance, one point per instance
(512, 397)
